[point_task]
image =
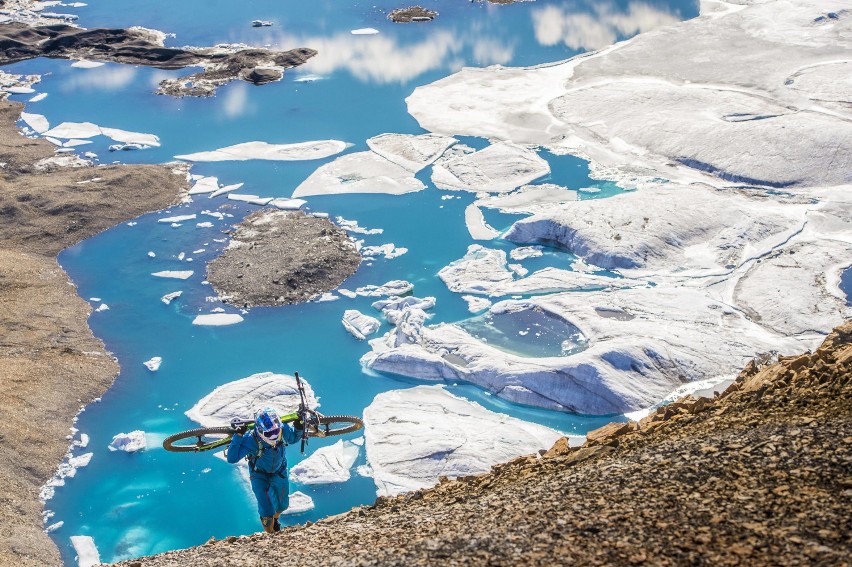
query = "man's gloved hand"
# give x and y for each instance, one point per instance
(300, 422)
(238, 425)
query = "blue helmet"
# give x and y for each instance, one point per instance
(268, 425)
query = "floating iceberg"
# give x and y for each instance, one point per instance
(395, 287)
(36, 121)
(410, 151)
(204, 185)
(299, 504)
(389, 251)
(174, 274)
(169, 297)
(87, 552)
(364, 31)
(400, 303)
(82, 130)
(476, 225)
(360, 172)
(128, 442)
(499, 168)
(153, 364)
(179, 218)
(441, 435)
(327, 465)
(250, 199)
(360, 325)
(529, 199)
(277, 152)
(476, 304)
(242, 397)
(217, 319)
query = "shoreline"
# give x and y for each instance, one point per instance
(50, 361)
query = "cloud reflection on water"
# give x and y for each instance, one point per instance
(109, 77)
(597, 25)
(385, 59)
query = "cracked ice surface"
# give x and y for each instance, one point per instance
(275, 152)
(440, 435)
(410, 151)
(750, 111)
(242, 397)
(327, 465)
(499, 168)
(360, 172)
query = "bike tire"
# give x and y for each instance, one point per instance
(171, 442)
(330, 425)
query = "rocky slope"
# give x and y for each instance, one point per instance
(759, 475)
(50, 363)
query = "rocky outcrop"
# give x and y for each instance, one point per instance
(139, 46)
(50, 363)
(262, 267)
(756, 475)
(412, 14)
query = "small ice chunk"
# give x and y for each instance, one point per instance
(86, 64)
(389, 251)
(518, 269)
(153, 364)
(364, 31)
(476, 304)
(299, 504)
(128, 442)
(170, 296)
(400, 303)
(206, 185)
(327, 296)
(327, 465)
(217, 319)
(205, 224)
(226, 189)
(174, 274)
(478, 228)
(151, 254)
(251, 199)
(102, 307)
(127, 137)
(524, 252)
(53, 527)
(360, 325)
(352, 226)
(179, 218)
(288, 204)
(347, 293)
(87, 552)
(38, 97)
(394, 287)
(98, 299)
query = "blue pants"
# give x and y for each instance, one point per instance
(272, 492)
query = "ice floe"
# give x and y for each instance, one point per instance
(129, 442)
(360, 172)
(83, 130)
(524, 252)
(299, 504)
(38, 98)
(205, 185)
(389, 251)
(394, 287)
(287, 204)
(413, 152)
(352, 226)
(364, 31)
(36, 121)
(359, 325)
(401, 303)
(529, 199)
(499, 168)
(169, 297)
(276, 152)
(476, 224)
(153, 364)
(242, 397)
(86, 550)
(250, 199)
(174, 274)
(217, 319)
(476, 304)
(441, 435)
(86, 64)
(179, 218)
(66, 469)
(327, 465)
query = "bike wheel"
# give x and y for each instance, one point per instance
(201, 439)
(336, 425)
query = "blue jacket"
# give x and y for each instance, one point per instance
(267, 459)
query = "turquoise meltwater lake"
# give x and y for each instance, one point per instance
(154, 501)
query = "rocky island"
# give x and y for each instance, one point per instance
(282, 257)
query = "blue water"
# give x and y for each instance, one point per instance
(155, 501)
(846, 284)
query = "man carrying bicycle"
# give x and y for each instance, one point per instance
(263, 447)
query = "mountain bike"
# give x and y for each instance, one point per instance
(314, 424)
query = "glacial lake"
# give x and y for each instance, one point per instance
(154, 501)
